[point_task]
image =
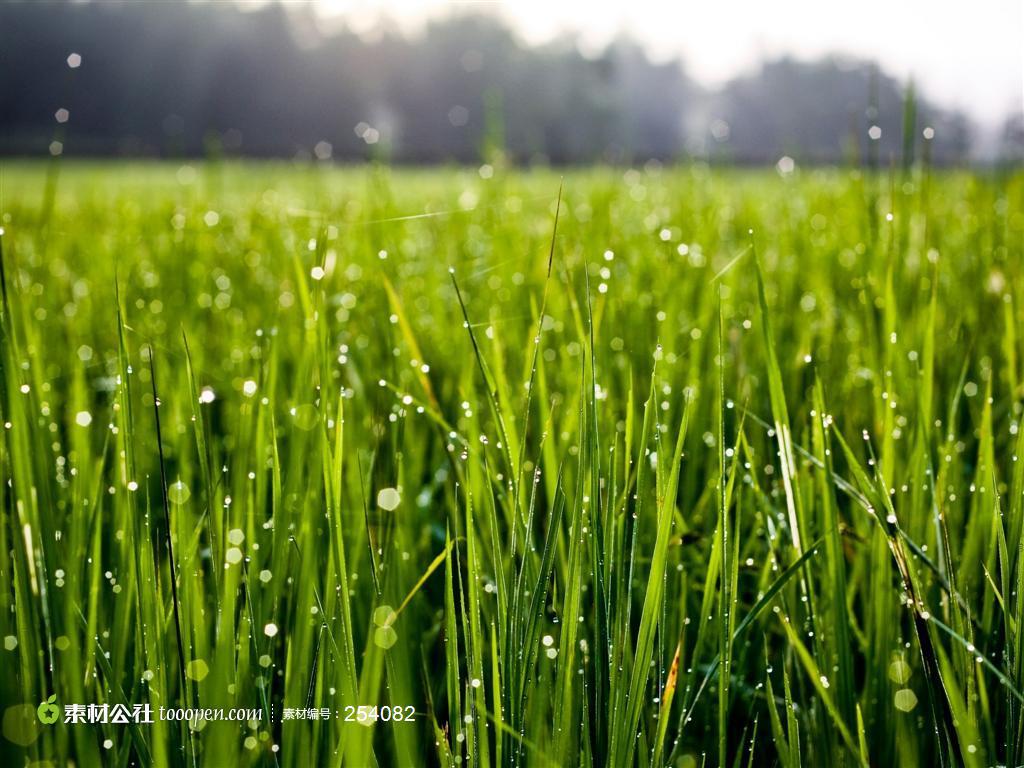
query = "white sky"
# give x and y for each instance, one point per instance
(963, 54)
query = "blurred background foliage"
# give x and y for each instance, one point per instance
(189, 79)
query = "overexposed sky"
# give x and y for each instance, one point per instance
(963, 54)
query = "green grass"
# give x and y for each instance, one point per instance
(721, 472)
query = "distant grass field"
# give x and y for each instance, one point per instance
(724, 472)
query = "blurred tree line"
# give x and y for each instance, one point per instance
(184, 79)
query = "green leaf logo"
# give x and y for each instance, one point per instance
(48, 711)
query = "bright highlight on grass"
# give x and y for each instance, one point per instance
(674, 467)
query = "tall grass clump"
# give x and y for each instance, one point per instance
(664, 467)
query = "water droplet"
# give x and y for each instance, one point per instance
(306, 416)
(385, 637)
(178, 493)
(196, 670)
(384, 616)
(905, 700)
(388, 499)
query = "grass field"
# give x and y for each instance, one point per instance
(722, 473)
